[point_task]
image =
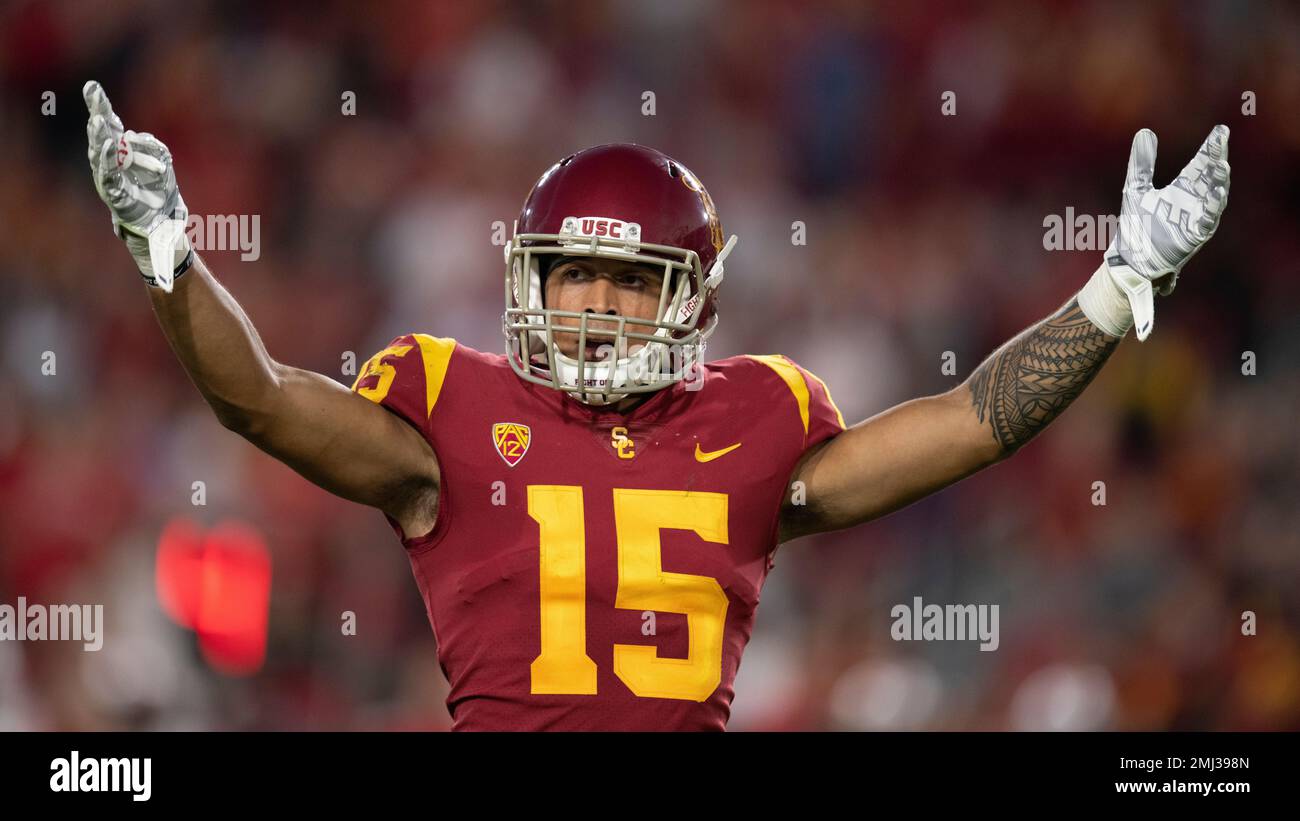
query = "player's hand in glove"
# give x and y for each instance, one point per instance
(134, 177)
(1159, 230)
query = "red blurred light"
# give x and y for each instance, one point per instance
(218, 584)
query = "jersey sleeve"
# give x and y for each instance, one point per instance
(811, 399)
(812, 419)
(407, 376)
(824, 418)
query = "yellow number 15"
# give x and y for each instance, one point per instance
(563, 666)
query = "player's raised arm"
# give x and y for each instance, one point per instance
(337, 439)
(921, 446)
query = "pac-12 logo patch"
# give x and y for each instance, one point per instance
(511, 440)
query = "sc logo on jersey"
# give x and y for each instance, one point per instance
(622, 443)
(511, 440)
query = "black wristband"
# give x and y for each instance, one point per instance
(180, 269)
(184, 266)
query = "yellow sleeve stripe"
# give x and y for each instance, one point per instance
(839, 417)
(436, 353)
(793, 379)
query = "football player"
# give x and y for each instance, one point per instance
(591, 515)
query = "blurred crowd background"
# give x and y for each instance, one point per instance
(924, 235)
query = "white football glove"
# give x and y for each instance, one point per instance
(1159, 230)
(134, 177)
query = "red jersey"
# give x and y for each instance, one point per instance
(592, 570)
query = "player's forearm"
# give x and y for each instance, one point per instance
(1025, 384)
(218, 346)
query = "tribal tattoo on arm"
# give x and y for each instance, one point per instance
(1027, 382)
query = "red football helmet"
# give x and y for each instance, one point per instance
(625, 202)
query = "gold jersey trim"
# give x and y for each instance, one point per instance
(798, 386)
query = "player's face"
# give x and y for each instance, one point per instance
(602, 286)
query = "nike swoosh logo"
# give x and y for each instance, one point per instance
(709, 456)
